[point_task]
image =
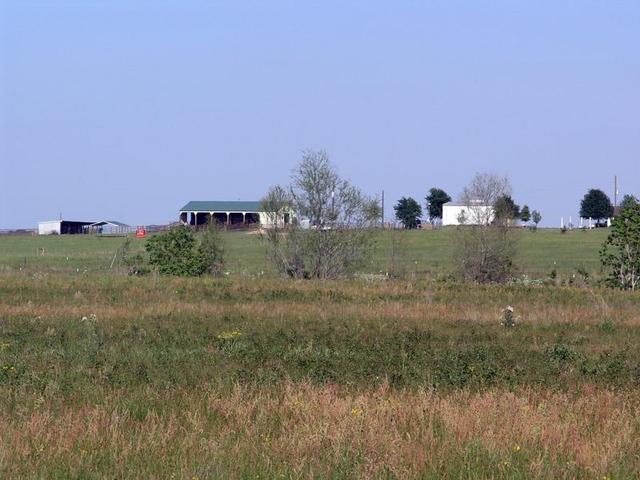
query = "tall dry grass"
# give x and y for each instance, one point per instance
(300, 431)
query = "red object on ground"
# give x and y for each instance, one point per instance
(141, 232)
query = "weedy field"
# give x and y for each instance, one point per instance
(251, 377)
(254, 376)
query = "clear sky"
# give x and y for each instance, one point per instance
(126, 110)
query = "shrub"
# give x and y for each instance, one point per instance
(178, 252)
(620, 254)
(484, 253)
(607, 326)
(212, 249)
(561, 356)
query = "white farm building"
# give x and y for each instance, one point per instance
(229, 213)
(66, 227)
(463, 214)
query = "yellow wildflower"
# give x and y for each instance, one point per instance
(229, 335)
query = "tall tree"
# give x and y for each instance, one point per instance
(505, 209)
(481, 195)
(436, 198)
(525, 214)
(620, 254)
(340, 215)
(596, 204)
(628, 201)
(484, 250)
(408, 211)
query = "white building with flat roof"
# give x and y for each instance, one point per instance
(464, 214)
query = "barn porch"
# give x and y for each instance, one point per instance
(231, 214)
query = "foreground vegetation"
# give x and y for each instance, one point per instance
(246, 377)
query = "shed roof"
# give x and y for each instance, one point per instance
(108, 222)
(222, 206)
(65, 220)
(461, 204)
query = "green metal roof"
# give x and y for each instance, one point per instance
(222, 206)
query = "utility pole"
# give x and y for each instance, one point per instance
(615, 190)
(382, 213)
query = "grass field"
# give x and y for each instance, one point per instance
(251, 376)
(425, 252)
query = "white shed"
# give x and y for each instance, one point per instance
(61, 227)
(463, 214)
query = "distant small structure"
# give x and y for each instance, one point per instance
(229, 213)
(108, 227)
(75, 227)
(462, 214)
(62, 227)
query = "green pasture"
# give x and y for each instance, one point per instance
(414, 252)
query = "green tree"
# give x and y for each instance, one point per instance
(597, 205)
(620, 254)
(525, 214)
(506, 209)
(408, 211)
(436, 198)
(179, 252)
(628, 201)
(536, 216)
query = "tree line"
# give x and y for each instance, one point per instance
(597, 205)
(339, 233)
(409, 212)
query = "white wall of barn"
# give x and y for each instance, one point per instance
(49, 227)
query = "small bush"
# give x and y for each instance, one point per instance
(607, 326)
(212, 250)
(561, 356)
(178, 252)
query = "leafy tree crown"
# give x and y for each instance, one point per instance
(408, 211)
(596, 204)
(628, 201)
(505, 208)
(620, 255)
(436, 198)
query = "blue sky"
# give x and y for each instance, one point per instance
(127, 110)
